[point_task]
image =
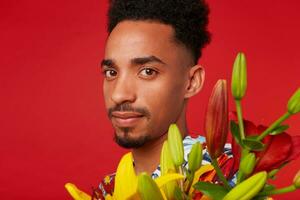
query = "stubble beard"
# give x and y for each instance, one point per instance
(126, 141)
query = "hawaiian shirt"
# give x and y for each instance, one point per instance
(106, 186)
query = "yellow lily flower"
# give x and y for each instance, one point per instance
(126, 179)
(126, 182)
(76, 193)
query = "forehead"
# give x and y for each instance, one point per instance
(143, 38)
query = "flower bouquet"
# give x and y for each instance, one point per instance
(257, 154)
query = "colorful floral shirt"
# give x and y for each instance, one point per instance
(106, 186)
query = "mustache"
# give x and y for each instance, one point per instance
(128, 107)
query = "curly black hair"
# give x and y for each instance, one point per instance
(189, 18)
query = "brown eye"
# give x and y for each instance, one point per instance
(148, 72)
(110, 73)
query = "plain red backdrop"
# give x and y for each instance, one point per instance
(53, 124)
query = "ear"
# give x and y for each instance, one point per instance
(195, 81)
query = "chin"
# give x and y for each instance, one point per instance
(126, 140)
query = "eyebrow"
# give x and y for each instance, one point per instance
(134, 61)
(147, 59)
(107, 62)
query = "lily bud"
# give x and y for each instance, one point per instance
(167, 167)
(239, 77)
(249, 188)
(147, 188)
(296, 180)
(216, 121)
(294, 103)
(175, 145)
(166, 161)
(195, 157)
(247, 164)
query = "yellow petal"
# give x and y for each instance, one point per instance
(162, 180)
(203, 169)
(126, 179)
(135, 196)
(76, 193)
(108, 197)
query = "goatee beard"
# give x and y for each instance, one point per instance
(130, 143)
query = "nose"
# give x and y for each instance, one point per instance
(124, 90)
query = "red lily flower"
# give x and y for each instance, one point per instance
(232, 165)
(279, 149)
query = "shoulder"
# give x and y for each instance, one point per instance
(226, 161)
(188, 142)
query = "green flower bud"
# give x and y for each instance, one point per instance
(249, 188)
(296, 180)
(167, 166)
(248, 163)
(195, 157)
(166, 161)
(294, 103)
(239, 77)
(175, 145)
(147, 188)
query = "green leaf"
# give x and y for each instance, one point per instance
(279, 129)
(253, 144)
(268, 187)
(272, 174)
(178, 194)
(235, 131)
(216, 192)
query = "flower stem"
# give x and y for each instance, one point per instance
(181, 181)
(290, 188)
(220, 174)
(190, 182)
(240, 118)
(274, 125)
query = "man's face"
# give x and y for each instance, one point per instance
(145, 79)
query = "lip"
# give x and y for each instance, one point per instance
(126, 119)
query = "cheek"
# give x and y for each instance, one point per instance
(165, 100)
(106, 94)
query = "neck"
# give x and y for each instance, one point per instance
(147, 158)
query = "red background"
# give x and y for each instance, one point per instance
(53, 124)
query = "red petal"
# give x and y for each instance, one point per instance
(232, 116)
(295, 152)
(229, 169)
(250, 128)
(236, 151)
(276, 153)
